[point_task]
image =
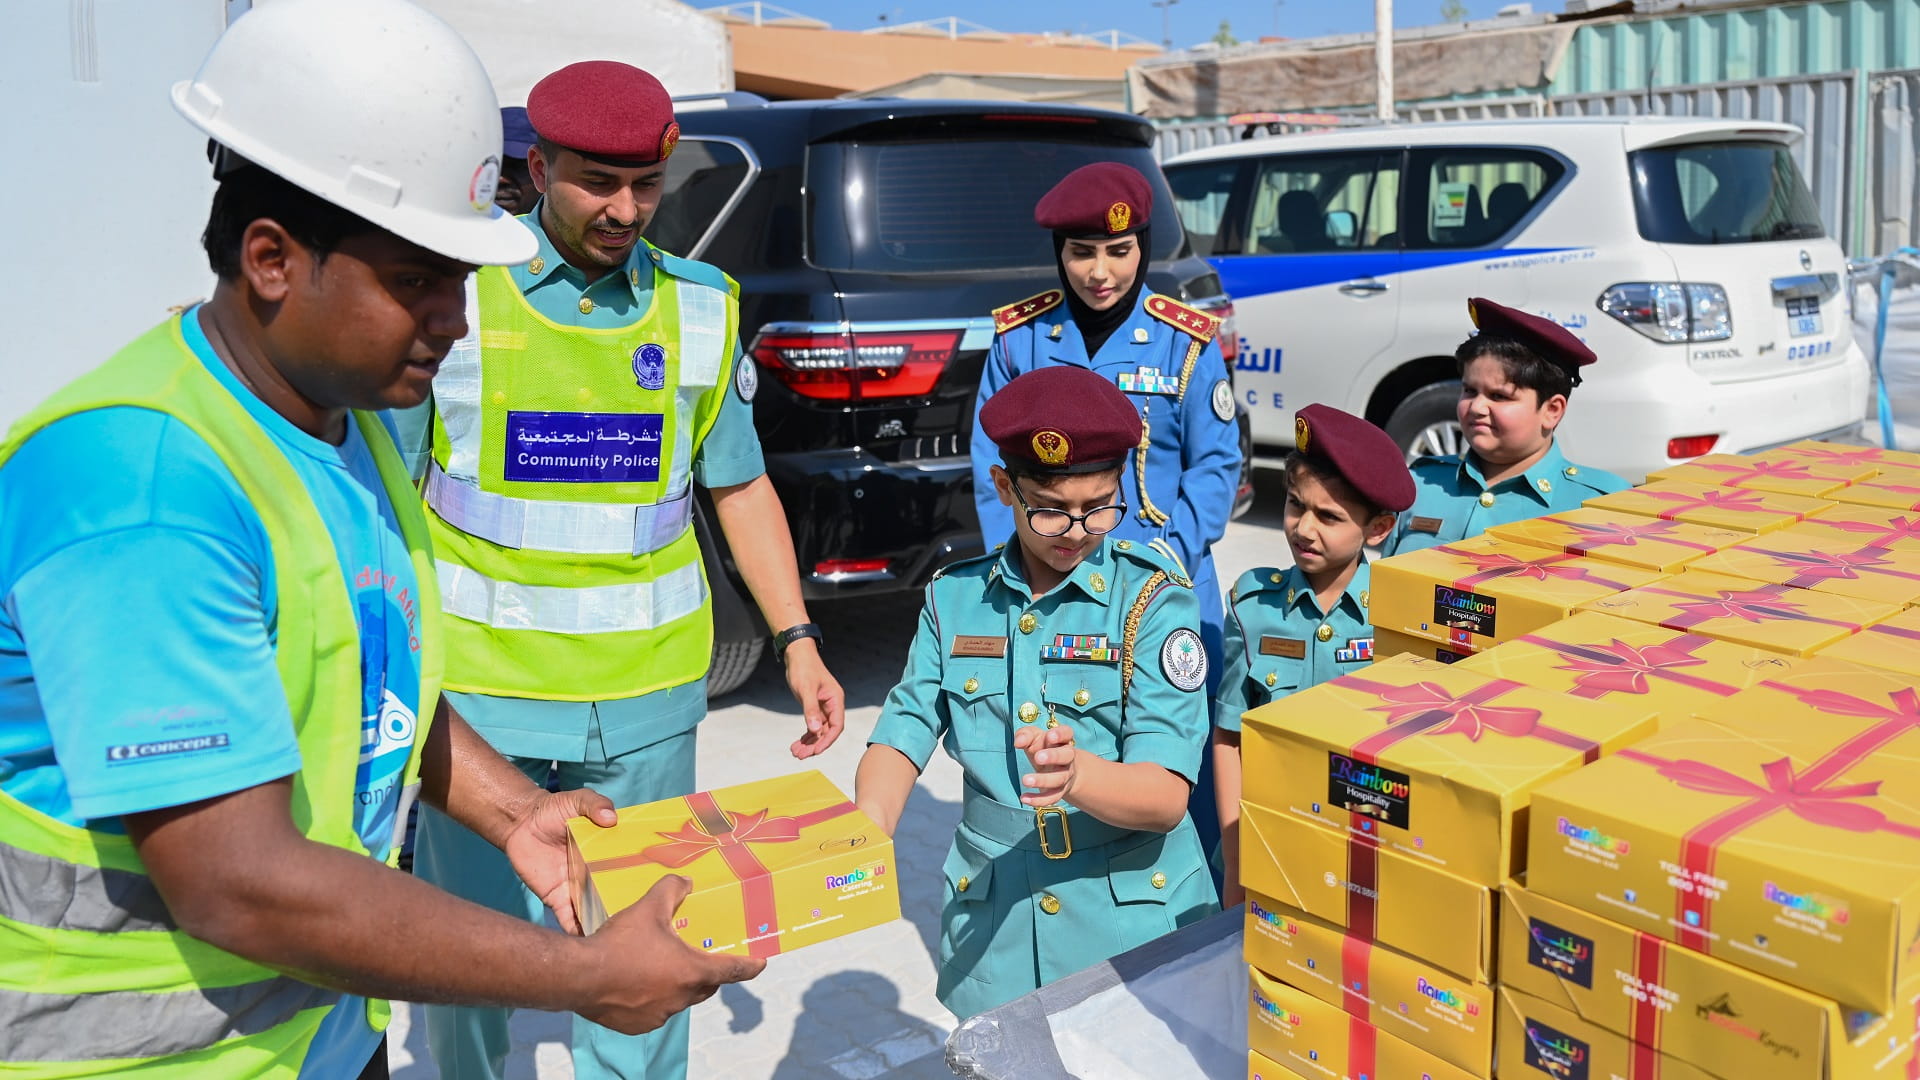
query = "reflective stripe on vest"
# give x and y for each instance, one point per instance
(577, 528)
(601, 609)
(95, 976)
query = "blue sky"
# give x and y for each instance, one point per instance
(1191, 20)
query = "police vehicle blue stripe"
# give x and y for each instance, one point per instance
(1246, 276)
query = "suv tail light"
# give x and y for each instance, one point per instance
(1690, 446)
(851, 365)
(1671, 312)
(1229, 335)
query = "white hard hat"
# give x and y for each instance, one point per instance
(373, 105)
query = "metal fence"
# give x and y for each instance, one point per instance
(1893, 157)
(1180, 137)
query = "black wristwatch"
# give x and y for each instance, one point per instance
(792, 634)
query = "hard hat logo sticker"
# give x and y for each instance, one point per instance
(486, 179)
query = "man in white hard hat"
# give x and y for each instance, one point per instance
(603, 380)
(219, 650)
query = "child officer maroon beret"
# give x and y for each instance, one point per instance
(1061, 420)
(1554, 343)
(1361, 453)
(1105, 199)
(606, 110)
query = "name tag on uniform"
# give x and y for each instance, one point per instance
(583, 448)
(1428, 525)
(1291, 648)
(971, 645)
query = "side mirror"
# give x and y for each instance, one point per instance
(1343, 228)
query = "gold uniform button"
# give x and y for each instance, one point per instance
(586, 306)
(1272, 679)
(1029, 712)
(1290, 593)
(1545, 486)
(1050, 904)
(1325, 633)
(971, 685)
(963, 883)
(538, 264)
(1125, 545)
(633, 276)
(1099, 583)
(1573, 470)
(1486, 498)
(1140, 334)
(1028, 622)
(1159, 880)
(1365, 596)
(1082, 697)
(1275, 579)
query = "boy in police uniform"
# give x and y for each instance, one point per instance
(1066, 674)
(1291, 629)
(1516, 376)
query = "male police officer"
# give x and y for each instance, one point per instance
(603, 379)
(219, 654)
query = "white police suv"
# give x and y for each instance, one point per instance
(1687, 253)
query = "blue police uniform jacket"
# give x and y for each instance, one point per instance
(1452, 500)
(1113, 651)
(1181, 489)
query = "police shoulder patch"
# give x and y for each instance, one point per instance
(1191, 321)
(1223, 400)
(1184, 660)
(1025, 311)
(746, 378)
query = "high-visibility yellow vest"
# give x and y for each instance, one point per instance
(95, 977)
(560, 490)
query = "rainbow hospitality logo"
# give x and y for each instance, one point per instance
(841, 881)
(1449, 998)
(1367, 777)
(1285, 926)
(1274, 1010)
(1593, 838)
(1808, 904)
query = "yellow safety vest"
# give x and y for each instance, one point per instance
(95, 977)
(560, 494)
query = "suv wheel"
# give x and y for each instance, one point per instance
(1427, 424)
(733, 662)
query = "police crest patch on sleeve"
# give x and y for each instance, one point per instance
(746, 379)
(1223, 400)
(1184, 660)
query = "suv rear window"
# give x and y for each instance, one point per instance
(911, 206)
(1722, 193)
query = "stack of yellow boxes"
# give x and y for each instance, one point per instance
(1664, 703)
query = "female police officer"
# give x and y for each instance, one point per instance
(1066, 675)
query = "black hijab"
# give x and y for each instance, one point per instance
(1097, 326)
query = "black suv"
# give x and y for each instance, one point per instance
(872, 239)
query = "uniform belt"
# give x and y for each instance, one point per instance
(1053, 831)
(543, 525)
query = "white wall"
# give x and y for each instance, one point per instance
(522, 41)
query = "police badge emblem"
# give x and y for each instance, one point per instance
(650, 367)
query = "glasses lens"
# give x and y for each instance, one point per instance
(1105, 519)
(1050, 522)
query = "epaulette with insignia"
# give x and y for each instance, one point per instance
(1257, 579)
(963, 564)
(1025, 311)
(697, 272)
(1151, 557)
(1192, 321)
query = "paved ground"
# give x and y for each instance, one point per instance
(864, 1006)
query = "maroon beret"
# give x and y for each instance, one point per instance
(1554, 343)
(606, 110)
(1061, 420)
(1103, 199)
(1361, 453)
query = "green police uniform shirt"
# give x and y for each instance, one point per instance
(1279, 642)
(989, 658)
(1452, 500)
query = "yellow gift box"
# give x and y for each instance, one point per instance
(1713, 507)
(1425, 759)
(1893, 645)
(1611, 537)
(1262, 1067)
(1388, 644)
(1826, 453)
(1404, 997)
(1686, 1005)
(1294, 1030)
(1787, 474)
(1474, 593)
(775, 864)
(1380, 895)
(1869, 526)
(1542, 1041)
(1824, 562)
(1781, 618)
(1895, 489)
(1604, 658)
(1776, 832)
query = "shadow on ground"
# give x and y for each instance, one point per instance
(861, 1011)
(866, 648)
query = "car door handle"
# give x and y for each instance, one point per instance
(1363, 287)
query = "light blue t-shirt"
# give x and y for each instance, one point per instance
(137, 618)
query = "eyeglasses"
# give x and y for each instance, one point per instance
(1047, 521)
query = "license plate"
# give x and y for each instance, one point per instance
(1803, 316)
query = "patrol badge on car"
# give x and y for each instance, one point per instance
(1119, 216)
(650, 367)
(1184, 660)
(1301, 437)
(746, 379)
(1223, 400)
(1051, 447)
